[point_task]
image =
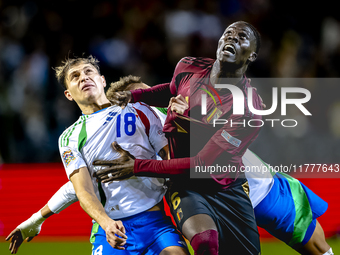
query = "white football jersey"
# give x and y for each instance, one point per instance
(137, 129)
(160, 114)
(259, 177)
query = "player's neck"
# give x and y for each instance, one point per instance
(88, 109)
(226, 73)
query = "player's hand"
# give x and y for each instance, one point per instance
(178, 104)
(27, 230)
(121, 98)
(115, 234)
(118, 169)
(15, 238)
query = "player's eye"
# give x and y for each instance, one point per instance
(73, 76)
(243, 36)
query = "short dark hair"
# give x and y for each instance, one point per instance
(61, 71)
(257, 36)
(122, 84)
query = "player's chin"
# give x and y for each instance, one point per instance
(90, 96)
(223, 57)
(228, 58)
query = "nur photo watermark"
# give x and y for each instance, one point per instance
(299, 127)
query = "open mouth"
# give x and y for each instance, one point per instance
(86, 86)
(229, 49)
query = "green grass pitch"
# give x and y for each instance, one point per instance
(83, 248)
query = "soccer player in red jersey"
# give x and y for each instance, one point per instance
(215, 214)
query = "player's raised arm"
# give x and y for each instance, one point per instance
(30, 228)
(158, 95)
(115, 232)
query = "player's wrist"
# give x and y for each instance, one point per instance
(32, 226)
(37, 218)
(107, 223)
(135, 95)
(135, 166)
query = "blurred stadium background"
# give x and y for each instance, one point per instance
(148, 38)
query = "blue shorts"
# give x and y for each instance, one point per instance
(148, 233)
(289, 211)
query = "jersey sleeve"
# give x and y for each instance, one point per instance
(70, 155)
(63, 198)
(158, 95)
(153, 126)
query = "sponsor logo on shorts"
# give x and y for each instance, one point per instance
(230, 139)
(68, 157)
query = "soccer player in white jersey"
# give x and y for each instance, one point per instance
(133, 203)
(260, 183)
(66, 195)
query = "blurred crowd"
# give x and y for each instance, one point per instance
(148, 38)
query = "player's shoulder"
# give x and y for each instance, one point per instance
(255, 93)
(74, 125)
(69, 132)
(199, 62)
(145, 109)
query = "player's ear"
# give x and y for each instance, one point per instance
(103, 80)
(252, 57)
(68, 95)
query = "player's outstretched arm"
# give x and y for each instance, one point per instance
(158, 95)
(28, 229)
(126, 166)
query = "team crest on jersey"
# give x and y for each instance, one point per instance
(179, 214)
(68, 157)
(214, 114)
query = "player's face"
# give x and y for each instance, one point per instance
(237, 45)
(84, 84)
